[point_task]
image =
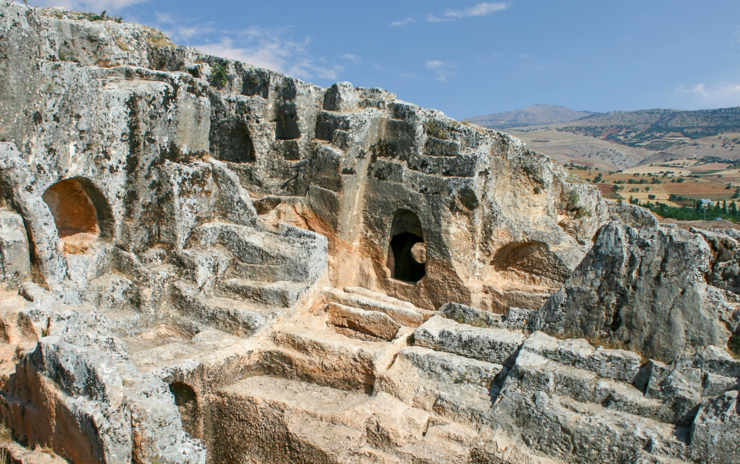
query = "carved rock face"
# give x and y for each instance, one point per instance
(153, 313)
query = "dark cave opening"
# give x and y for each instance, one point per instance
(407, 254)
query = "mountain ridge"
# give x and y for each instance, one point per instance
(532, 115)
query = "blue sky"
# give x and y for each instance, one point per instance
(469, 57)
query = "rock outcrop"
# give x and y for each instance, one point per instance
(646, 290)
(206, 262)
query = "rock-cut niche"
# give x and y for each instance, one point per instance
(533, 258)
(78, 208)
(231, 141)
(187, 403)
(407, 253)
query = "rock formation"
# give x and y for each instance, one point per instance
(203, 261)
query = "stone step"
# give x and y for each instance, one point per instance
(379, 296)
(426, 313)
(302, 255)
(295, 421)
(403, 315)
(532, 372)
(230, 315)
(202, 266)
(329, 358)
(452, 386)
(372, 323)
(282, 294)
(613, 364)
(547, 422)
(259, 272)
(489, 345)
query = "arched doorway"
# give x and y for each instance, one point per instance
(80, 212)
(407, 253)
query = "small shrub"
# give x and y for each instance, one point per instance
(733, 344)
(537, 189)
(433, 129)
(220, 76)
(582, 213)
(571, 201)
(93, 16)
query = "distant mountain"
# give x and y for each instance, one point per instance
(534, 115)
(657, 129)
(622, 139)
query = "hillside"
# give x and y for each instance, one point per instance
(657, 129)
(530, 116)
(623, 139)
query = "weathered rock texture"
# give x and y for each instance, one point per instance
(647, 290)
(203, 261)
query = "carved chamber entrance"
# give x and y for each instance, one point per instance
(407, 251)
(80, 212)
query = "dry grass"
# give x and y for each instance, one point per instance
(6, 434)
(158, 41)
(122, 45)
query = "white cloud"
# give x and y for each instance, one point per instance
(719, 95)
(441, 69)
(351, 57)
(525, 56)
(481, 9)
(96, 6)
(271, 50)
(179, 29)
(403, 22)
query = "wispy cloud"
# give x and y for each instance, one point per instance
(442, 70)
(481, 9)
(181, 29)
(403, 22)
(525, 56)
(88, 5)
(270, 49)
(351, 57)
(723, 94)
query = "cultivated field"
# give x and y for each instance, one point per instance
(690, 179)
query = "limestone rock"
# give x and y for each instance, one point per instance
(14, 253)
(643, 289)
(471, 316)
(230, 264)
(490, 345)
(716, 428)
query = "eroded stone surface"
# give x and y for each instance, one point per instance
(646, 290)
(259, 270)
